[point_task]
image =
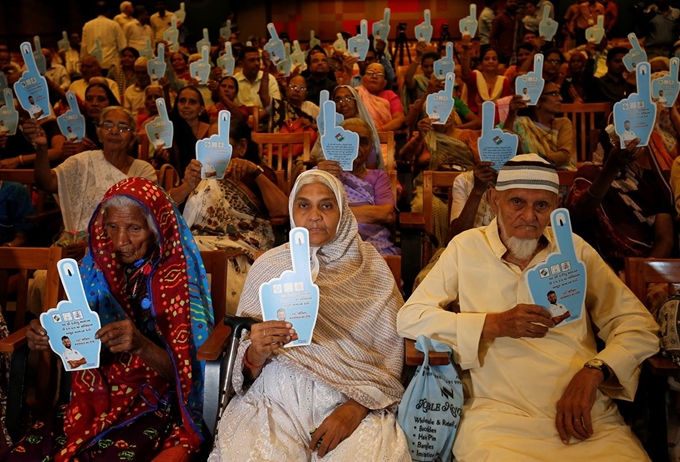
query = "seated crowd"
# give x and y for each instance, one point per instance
(139, 240)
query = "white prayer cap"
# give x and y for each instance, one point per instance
(528, 171)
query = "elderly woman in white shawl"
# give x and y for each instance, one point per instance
(334, 399)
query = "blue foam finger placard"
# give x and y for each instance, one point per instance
(495, 145)
(160, 130)
(337, 143)
(64, 43)
(297, 57)
(284, 67)
(636, 55)
(468, 25)
(200, 70)
(665, 89)
(381, 29)
(596, 33)
(3, 85)
(40, 60)
(339, 44)
(293, 296)
(634, 116)
(440, 104)
(31, 88)
(205, 41)
(320, 121)
(275, 46)
(559, 284)
(226, 30)
(358, 45)
(445, 65)
(147, 51)
(215, 152)
(530, 85)
(313, 41)
(171, 35)
(424, 30)
(72, 122)
(9, 117)
(547, 28)
(72, 324)
(156, 66)
(97, 51)
(227, 61)
(181, 14)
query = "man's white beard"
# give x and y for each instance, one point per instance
(522, 249)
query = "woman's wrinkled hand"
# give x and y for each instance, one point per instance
(267, 337)
(240, 169)
(337, 427)
(34, 132)
(330, 166)
(192, 174)
(122, 337)
(37, 336)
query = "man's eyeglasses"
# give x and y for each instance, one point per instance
(346, 99)
(554, 62)
(122, 128)
(375, 73)
(297, 88)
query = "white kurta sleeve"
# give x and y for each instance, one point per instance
(424, 314)
(627, 328)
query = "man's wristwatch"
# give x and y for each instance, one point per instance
(599, 365)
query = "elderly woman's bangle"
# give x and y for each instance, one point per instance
(21, 160)
(256, 173)
(247, 363)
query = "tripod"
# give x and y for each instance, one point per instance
(402, 44)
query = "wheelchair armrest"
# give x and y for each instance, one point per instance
(213, 347)
(14, 341)
(411, 220)
(416, 358)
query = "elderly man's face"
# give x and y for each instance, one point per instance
(523, 213)
(130, 233)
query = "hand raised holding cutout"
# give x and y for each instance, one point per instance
(156, 67)
(547, 28)
(227, 61)
(444, 66)
(284, 67)
(530, 86)
(171, 35)
(320, 119)
(337, 143)
(226, 30)
(358, 45)
(293, 296)
(72, 122)
(205, 41)
(495, 145)
(468, 25)
(214, 153)
(439, 105)
(381, 29)
(9, 117)
(97, 51)
(72, 325)
(31, 88)
(424, 30)
(200, 70)
(596, 33)
(181, 14)
(147, 50)
(635, 115)
(274, 46)
(313, 41)
(64, 44)
(665, 89)
(297, 57)
(160, 130)
(636, 55)
(339, 44)
(40, 60)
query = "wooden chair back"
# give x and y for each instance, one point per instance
(25, 260)
(432, 180)
(643, 271)
(254, 118)
(584, 119)
(387, 140)
(566, 180)
(168, 177)
(394, 262)
(272, 148)
(216, 264)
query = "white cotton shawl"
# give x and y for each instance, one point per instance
(355, 347)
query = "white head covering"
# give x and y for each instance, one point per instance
(528, 171)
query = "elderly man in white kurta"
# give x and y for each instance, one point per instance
(536, 391)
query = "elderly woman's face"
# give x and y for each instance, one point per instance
(115, 131)
(374, 78)
(130, 233)
(365, 143)
(189, 104)
(228, 89)
(345, 103)
(316, 209)
(150, 97)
